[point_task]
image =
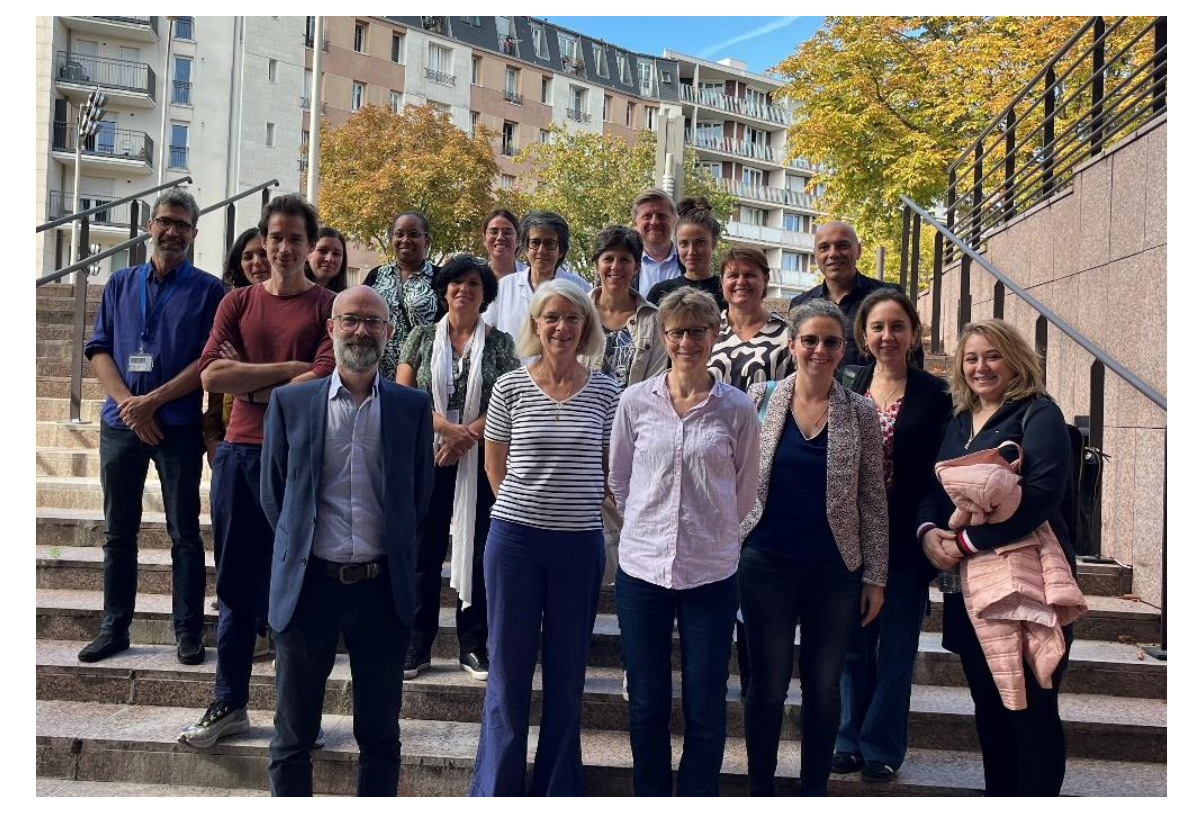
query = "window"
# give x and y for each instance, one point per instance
(509, 134)
(397, 101)
(793, 222)
(179, 147)
(652, 117)
(600, 64)
(397, 47)
(545, 91)
(754, 97)
(270, 134)
(307, 97)
(360, 37)
(182, 87)
(752, 215)
(310, 28)
(540, 41)
(476, 22)
(607, 108)
(796, 183)
(183, 29)
(576, 99)
(440, 64)
(665, 77)
(475, 73)
(750, 176)
(506, 181)
(629, 114)
(358, 96)
(545, 137)
(795, 262)
(273, 67)
(714, 168)
(475, 119)
(568, 45)
(624, 70)
(512, 82)
(646, 74)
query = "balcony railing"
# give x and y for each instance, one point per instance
(178, 158)
(120, 216)
(771, 195)
(306, 103)
(103, 72)
(735, 105)
(440, 77)
(737, 147)
(512, 97)
(147, 22)
(509, 150)
(578, 116)
(110, 143)
(182, 92)
(771, 235)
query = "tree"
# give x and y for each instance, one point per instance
(378, 163)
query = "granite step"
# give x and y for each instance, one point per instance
(84, 528)
(62, 331)
(70, 568)
(61, 314)
(71, 461)
(59, 387)
(1097, 726)
(87, 493)
(64, 433)
(49, 292)
(61, 349)
(137, 743)
(59, 408)
(1106, 668)
(64, 788)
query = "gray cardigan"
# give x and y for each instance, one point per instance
(855, 492)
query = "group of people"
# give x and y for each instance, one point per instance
(726, 469)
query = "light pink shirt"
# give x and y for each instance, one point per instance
(683, 484)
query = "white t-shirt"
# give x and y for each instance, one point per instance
(507, 312)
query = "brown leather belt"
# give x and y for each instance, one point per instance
(349, 573)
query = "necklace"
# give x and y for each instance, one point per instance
(814, 426)
(884, 402)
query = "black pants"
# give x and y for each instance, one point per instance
(1024, 751)
(123, 468)
(432, 542)
(376, 641)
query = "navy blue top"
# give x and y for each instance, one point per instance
(181, 307)
(795, 521)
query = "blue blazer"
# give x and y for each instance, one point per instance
(290, 479)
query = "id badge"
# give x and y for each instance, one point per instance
(140, 362)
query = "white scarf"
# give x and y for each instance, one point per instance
(465, 492)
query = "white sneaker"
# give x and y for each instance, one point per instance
(218, 721)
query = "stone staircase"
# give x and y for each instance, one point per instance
(110, 728)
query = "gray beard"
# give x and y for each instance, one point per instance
(358, 356)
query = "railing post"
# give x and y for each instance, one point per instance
(1041, 332)
(977, 194)
(905, 244)
(265, 196)
(1097, 87)
(998, 301)
(80, 276)
(949, 253)
(1095, 438)
(229, 233)
(1010, 162)
(1048, 135)
(1160, 59)
(937, 295)
(914, 248)
(965, 303)
(133, 222)
(1159, 652)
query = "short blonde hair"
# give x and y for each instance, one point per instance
(592, 342)
(1018, 355)
(688, 302)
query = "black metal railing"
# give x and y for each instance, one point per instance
(509, 150)
(440, 76)
(103, 72)
(111, 143)
(1107, 81)
(123, 215)
(913, 217)
(183, 92)
(577, 115)
(512, 97)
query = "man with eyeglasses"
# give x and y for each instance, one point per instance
(149, 334)
(264, 336)
(347, 476)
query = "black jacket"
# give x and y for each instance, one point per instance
(849, 306)
(918, 431)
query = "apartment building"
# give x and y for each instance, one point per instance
(739, 132)
(213, 98)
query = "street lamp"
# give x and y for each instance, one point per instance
(88, 123)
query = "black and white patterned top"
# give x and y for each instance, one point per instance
(555, 471)
(411, 304)
(765, 357)
(619, 354)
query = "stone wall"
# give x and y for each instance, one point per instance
(1096, 255)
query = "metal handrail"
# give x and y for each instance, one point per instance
(74, 216)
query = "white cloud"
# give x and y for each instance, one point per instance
(781, 22)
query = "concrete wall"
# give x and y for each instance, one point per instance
(1096, 255)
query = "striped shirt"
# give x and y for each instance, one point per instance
(555, 474)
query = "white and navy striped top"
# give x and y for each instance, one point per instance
(555, 471)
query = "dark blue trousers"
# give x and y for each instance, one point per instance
(123, 468)
(705, 616)
(537, 577)
(243, 552)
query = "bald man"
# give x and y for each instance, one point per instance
(347, 472)
(837, 250)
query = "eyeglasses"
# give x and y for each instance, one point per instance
(547, 244)
(677, 335)
(407, 234)
(350, 322)
(831, 342)
(166, 224)
(505, 232)
(552, 319)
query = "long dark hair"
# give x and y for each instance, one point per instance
(338, 282)
(232, 267)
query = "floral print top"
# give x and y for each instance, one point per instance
(412, 303)
(498, 358)
(888, 417)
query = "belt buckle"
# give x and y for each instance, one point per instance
(346, 575)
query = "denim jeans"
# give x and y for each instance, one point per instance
(705, 617)
(879, 670)
(123, 468)
(823, 599)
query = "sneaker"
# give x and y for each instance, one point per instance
(475, 664)
(219, 721)
(319, 742)
(105, 645)
(416, 662)
(190, 650)
(876, 772)
(844, 763)
(263, 647)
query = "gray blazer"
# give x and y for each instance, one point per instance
(856, 478)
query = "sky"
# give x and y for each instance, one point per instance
(762, 42)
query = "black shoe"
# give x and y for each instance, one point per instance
(416, 662)
(190, 650)
(875, 772)
(476, 665)
(105, 645)
(844, 763)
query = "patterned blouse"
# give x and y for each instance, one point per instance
(619, 354)
(498, 358)
(888, 417)
(412, 303)
(765, 357)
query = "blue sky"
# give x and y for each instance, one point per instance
(761, 41)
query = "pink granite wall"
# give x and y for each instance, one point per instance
(1096, 255)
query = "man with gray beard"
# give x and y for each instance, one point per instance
(347, 473)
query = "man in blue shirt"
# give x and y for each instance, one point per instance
(149, 333)
(653, 214)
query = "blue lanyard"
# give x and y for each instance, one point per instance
(166, 293)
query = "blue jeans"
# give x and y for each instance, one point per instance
(537, 578)
(705, 615)
(123, 468)
(823, 599)
(878, 672)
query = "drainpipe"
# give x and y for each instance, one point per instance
(312, 176)
(160, 177)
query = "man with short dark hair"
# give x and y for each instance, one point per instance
(653, 214)
(149, 333)
(264, 336)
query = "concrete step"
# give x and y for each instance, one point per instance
(137, 743)
(60, 368)
(50, 292)
(85, 492)
(74, 527)
(62, 315)
(1097, 726)
(69, 461)
(71, 568)
(1105, 668)
(59, 408)
(60, 349)
(64, 433)
(58, 386)
(63, 788)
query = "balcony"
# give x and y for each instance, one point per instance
(803, 164)
(182, 92)
(512, 97)
(116, 220)
(126, 82)
(774, 236)
(509, 150)
(770, 195)
(439, 77)
(111, 149)
(577, 116)
(773, 114)
(143, 29)
(789, 283)
(737, 147)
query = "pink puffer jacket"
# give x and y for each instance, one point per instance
(1020, 595)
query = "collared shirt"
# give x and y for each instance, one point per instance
(849, 306)
(683, 484)
(655, 270)
(178, 333)
(411, 302)
(507, 312)
(350, 525)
